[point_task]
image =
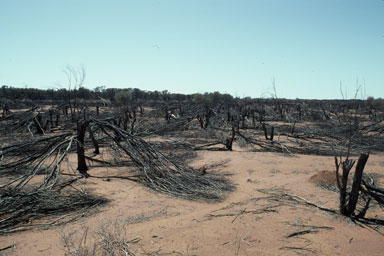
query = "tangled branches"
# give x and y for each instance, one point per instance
(20, 211)
(31, 175)
(36, 156)
(164, 175)
(31, 194)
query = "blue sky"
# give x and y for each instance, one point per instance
(308, 47)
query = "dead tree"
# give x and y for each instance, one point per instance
(94, 141)
(167, 114)
(6, 110)
(81, 164)
(229, 141)
(266, 132)
(204, 117)
(57, 119)
(133, 121)
(38, 121)
(348, 201)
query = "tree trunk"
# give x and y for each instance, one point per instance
(265, 130)
(346, 168)
(229, 141)
(348, 208)
(51, 118)
(38, 120)
(133, 122)
(357, 183)
(57, 119)
(94, 141)
(81, 164)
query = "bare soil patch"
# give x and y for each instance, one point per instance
(259, 218)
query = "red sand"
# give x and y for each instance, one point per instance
(178, 227)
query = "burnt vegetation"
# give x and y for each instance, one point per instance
(51, 139)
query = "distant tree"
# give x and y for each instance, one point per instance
(201, 98)
(99, 89)
(165, 95)
(84, 93)
(123, 97)
(370, 100)
(110, 94)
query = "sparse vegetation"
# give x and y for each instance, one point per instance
(150, 138)
(109, 239)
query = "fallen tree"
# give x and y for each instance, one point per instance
(32, 172)
(162, 174)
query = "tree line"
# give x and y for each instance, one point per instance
(111, 94)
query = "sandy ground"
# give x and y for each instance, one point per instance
(246, 223)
